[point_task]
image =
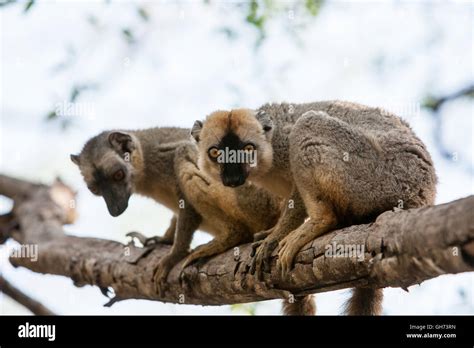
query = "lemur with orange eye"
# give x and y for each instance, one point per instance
(340, 163)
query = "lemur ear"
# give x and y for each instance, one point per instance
(75, 159)
(265, 120)
(196, 130)
(121, 142)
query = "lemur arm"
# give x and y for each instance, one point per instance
(293, 216)
(187, 223)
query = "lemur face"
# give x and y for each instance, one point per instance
(106, 168)
(233, 146)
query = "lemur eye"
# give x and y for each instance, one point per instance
(119, 175)
(94, 190)
(249, 147)
(214, 152)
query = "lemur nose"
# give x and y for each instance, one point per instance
(233, 181)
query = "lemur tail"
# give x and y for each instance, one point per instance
(364, 301)
(304, 305)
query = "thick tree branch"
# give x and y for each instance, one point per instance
(399, 249)
(17, 295)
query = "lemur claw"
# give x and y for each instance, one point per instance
(261, 235)
(147, 241)
(261, 253)
(105, 291)
(161, 275)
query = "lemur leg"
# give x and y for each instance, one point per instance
(216, 246)
(187, 222)
(322, 219)
(318, 144)
(292, 217)
(336, 165)
(167, 238)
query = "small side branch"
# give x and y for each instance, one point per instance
(17, 295)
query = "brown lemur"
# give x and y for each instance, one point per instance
(338, 163)
(161, 163)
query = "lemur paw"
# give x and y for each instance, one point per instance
(147, 241)
(161, 274)
(191, 258)
(286, 256)
(288, 249)
(261, 261)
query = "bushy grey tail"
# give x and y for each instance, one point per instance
(364, 301)
(304, 305)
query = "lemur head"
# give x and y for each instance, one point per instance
(107, 163)
(234, 145)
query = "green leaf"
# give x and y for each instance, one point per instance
(430, 103)
(51, 115)
(128, 34)
(28, 5)
(143, 14)
(313, 6)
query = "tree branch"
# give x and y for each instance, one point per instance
(435, 104)
(400, 249)
(17, 295)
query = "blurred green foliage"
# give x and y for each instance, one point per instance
(29, 4)
(128, 35)
(143, 13)
(259, 13)
(246, 308)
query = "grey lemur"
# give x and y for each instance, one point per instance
(339, 163)
(161, 163)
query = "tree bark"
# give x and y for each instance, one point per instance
(399, 249)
